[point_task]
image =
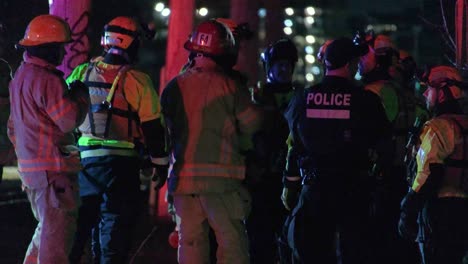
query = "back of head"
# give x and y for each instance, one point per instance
(342, 51)
(282, 50)
(44, 38)
(442, 77)
(211, 38)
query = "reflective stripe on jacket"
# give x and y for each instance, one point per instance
(206, 113)
(41, 122)
(134, 101)
(441, 140)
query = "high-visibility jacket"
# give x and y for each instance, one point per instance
(43, 116)
(207, 112)
(444, 140)
(113, 128)
(402, 110)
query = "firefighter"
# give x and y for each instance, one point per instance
(124, 123)
(7, 152)
(383, 73)
(44, 114)
(266, 162)
(332, 125)
(206, 112)
(438, 198)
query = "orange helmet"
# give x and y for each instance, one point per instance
(211, 38)
(120, 32)
(45, 29)
(440, 75)
(321, 51)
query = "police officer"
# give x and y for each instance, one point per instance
(332, 126)
(124, 114)
(439, 192)
(265, 165)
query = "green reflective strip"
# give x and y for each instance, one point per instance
(106, 152)
(87, 141)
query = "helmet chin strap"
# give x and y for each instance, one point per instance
(119, 52)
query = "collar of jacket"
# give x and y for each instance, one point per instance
(40, 62)
(205, 63)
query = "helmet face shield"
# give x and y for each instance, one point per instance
(120, 32)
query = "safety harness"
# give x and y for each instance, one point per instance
(107, 105)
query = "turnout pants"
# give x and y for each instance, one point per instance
(55, 207)
(225, 214)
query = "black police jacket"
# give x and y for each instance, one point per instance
(334, 123)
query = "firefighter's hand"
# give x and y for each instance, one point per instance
(78, 90)
(407, 225)
(290, 197)
(159, 175)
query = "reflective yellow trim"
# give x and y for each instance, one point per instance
(106, 152)
(88, 141)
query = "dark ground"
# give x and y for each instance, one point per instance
(17, 225)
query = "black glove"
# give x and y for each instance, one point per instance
(159, 175)
(291, 191)
(78, 90)
(411, 205)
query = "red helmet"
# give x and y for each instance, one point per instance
(321, 51)
(211, 38)
(45, 29)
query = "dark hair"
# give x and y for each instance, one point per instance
(50, 52)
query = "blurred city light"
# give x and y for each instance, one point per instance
(262, 12)
(310, 77)
(310, 58)
(289, 11)
(288, 23)
(159, 7)
(287, 30)
(203, 11)
(309, 49)
(310, 11)
(309, 20)
(315, 70)
(310, 39)
(166, 12)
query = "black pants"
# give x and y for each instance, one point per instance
(107, 217)
(330, 225)
(387, 246)
(265, 221)
(447, 241)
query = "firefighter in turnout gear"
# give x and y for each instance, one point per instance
(266, 162)
(206, 112)
(44, 113)
(124, 120)
(385, 74)
(332, 125)
(435, 209)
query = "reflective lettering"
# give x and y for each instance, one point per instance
(310, 97)
(329, 99)
(347, 98)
